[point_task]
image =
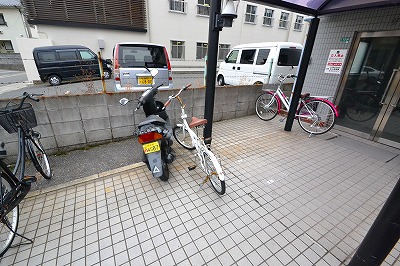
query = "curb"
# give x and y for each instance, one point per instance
(84, 179)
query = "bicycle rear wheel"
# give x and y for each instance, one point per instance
(9, 223)
(266, 106)
(361, 107)
(38, 156)
(214, 171)
(316, 117)
(183, 137)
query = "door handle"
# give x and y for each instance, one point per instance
(387, 87)
(238, 68)
(233, 67)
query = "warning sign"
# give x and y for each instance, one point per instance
(335, 61)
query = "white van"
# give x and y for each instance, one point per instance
(259, 63)
(132, 62)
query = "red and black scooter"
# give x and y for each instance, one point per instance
(154, 133)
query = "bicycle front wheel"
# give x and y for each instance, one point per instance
(266, 106)
(214, 171)
(38, 156)
(9, 223)
(183, 137)
(316, 117)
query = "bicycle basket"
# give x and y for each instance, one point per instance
(24, 117)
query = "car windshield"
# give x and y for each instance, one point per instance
(141, 56)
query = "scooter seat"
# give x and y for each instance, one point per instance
(153, 119)
(197, 122)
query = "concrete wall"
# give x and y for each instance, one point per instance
(71, 121)
(11, 62)
(330, 31)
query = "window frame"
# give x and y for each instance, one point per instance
(283, 23)
(250, 16)
(180, 45)
(298, 24)
(203, 46)
(223, 51)
(270, 18)
(2, 20)
(182, 3)
(203, 6)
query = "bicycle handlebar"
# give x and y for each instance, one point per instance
(170, 98)
(25, 96)
(281, 78)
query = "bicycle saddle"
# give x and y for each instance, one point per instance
(197, 122)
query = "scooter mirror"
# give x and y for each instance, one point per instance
(123, 101)
(154, 72)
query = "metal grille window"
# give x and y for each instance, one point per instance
(2, 20)
(250, 15)
(203, 7)
(177, 6)
(122, 15)
(284, 20)
(223, 51)
(298, 25)
(201, 50)
(177, 50)
(268, 17)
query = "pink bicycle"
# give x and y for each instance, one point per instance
(315, 115)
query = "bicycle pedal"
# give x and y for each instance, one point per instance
(192, 167)
(29, 179)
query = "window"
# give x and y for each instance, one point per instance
(284, 21)
(2, 20)
(262, 56)
(177, 50)
(250, 15)
(8, 46)
(47, 56)
(232, 57)
(201, 50)
(268, 19)
(177, 6)
(203, 7)
(67, 55)
(298, 24)
(141, 55)
(87, 55)
(223, 51)
(289, 57)
(247, 56)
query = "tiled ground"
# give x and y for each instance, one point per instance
(291, 200)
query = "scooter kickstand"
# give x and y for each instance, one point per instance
(204, 181)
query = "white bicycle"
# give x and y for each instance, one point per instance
(186, 137)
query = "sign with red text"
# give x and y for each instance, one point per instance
(335, 61)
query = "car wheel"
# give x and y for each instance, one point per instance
(107, 74)
(54, 80)
(221, 81)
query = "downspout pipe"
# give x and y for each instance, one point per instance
(305, 60)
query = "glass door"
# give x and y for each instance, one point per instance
(367, 83)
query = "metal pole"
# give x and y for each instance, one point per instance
(103, 82)
(305, 59)
(212, 53)
(383, 234)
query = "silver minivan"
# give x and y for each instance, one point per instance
(133, 62)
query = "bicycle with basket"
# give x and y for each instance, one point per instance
(14, 185)
(315, 115)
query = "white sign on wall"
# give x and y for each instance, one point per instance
(335, 61)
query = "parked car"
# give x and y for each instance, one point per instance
(56, 64)
(132, 62)
(259, 63)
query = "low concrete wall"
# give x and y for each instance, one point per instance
(72, 121)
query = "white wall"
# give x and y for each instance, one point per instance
(14, 28)
(26, 46)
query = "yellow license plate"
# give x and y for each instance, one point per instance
(151, 147)
(145, 80)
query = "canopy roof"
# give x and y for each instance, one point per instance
(322, 7)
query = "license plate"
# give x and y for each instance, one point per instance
(145, 80)
(151, 147)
